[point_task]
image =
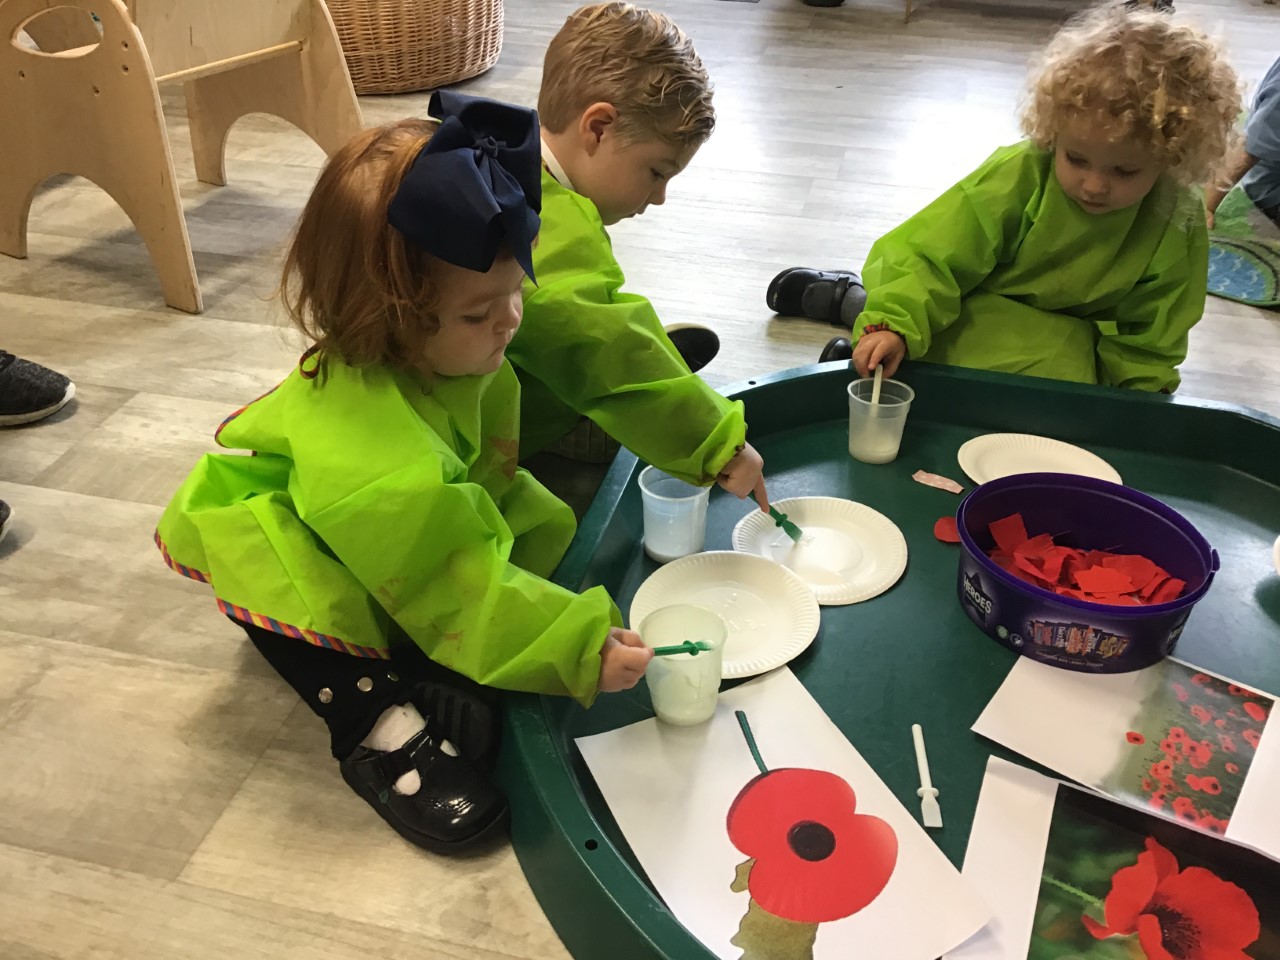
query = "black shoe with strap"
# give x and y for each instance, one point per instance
(818, 294)
(456, 808)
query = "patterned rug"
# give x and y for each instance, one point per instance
(1244, 253)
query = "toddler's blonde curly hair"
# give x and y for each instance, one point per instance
(1137, 75)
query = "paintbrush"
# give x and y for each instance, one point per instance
(689, 646)
(930, 812)
(780, 518)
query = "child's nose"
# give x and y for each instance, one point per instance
(659, 196)
(1095, 185)
(512, 313)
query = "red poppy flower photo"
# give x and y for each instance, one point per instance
(1119, 883)
(1133, 736)
(1189, 914)
(1256, 711)
(1201, 714)
(1232, 768)
(1252, 737)
(816, 858)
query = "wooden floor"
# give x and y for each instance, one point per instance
(161, 792)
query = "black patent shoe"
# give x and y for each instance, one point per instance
(837, 348)
(455, 808)
(465, 714)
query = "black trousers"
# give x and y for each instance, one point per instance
(348, 693)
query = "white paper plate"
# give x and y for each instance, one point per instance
(999, 455)
(771, 614)
(1275, 555)
(848, 553)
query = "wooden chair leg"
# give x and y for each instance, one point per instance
(311, 88)
(93, 113)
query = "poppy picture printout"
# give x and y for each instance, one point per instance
(786, 846)
(1173, 740)
(1075, 874)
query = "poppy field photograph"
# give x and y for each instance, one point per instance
(1190, 747)
(1118, 884)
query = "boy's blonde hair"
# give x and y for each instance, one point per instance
(1137, 75)
(351, 282)
(635, 59)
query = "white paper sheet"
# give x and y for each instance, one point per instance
(1078, 724)
(670, 790)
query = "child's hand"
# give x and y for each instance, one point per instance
(744, 474)
(622, 660)
(884, 347)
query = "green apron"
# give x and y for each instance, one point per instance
(587, 349)
(375, 500)
(1005, 272)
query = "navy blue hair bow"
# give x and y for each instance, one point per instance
(476, 186)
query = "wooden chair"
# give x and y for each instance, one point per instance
(87, 102)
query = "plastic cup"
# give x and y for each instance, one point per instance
(875, 431)
(675, 515)
(684, 687)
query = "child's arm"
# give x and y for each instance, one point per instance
(435, 557)
(917, 273)
(1148, 340)
(604, 353)
(1239, 162)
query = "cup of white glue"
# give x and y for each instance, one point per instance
(875, 429)
(684, 686)
(675, 515)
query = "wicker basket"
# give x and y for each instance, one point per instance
(394, 46)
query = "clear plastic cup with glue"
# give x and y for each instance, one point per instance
(675, 515)
(684, 687)
(875, 429)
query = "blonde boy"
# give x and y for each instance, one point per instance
(625, 104)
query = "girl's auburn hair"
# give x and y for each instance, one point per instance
(351, 282)
(1137, 75)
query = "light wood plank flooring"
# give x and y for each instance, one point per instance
(161, 793)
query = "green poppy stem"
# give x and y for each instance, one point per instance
(751, 740)
(1074, 891)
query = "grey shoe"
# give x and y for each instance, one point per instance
(30, 392)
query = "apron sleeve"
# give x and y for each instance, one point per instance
(436, 556)
(1143, 348)
(917, 273)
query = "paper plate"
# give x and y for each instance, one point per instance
(999, 455)
(1275, 555)
(848, 552)
(771, 614)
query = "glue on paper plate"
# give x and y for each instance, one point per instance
(769, 612)
(997, 455)
(848, 552)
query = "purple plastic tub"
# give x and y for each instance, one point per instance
(1087, 514)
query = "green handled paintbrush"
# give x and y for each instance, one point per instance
(689, 646)
(789, 528)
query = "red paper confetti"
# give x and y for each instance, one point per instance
(947, 530)
(1095, 576)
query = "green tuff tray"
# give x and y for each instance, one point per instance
(910, 655)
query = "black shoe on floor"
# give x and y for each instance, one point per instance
(468, 718)
(698, 345)
(837, 348)
(818, 294)
(30, 392)
(455, 808)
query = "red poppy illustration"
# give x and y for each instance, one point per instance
(1133, 736)
(1184, 809)
(815, 858)
(1180, 692)
(1201, 714)
(1220, 722)
(1252, 737)
(1162, 771)
(1213, 824)
(1156, 800)
(1232, 768)
(1227, 744)
(1190, 914)
(1255, 710)
(1177, 734)
(1193, 781)
(1237, 691)
(1210, 785)
(1201, 678)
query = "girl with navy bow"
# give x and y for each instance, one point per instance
(382, 548)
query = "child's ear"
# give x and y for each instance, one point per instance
(597, 121)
